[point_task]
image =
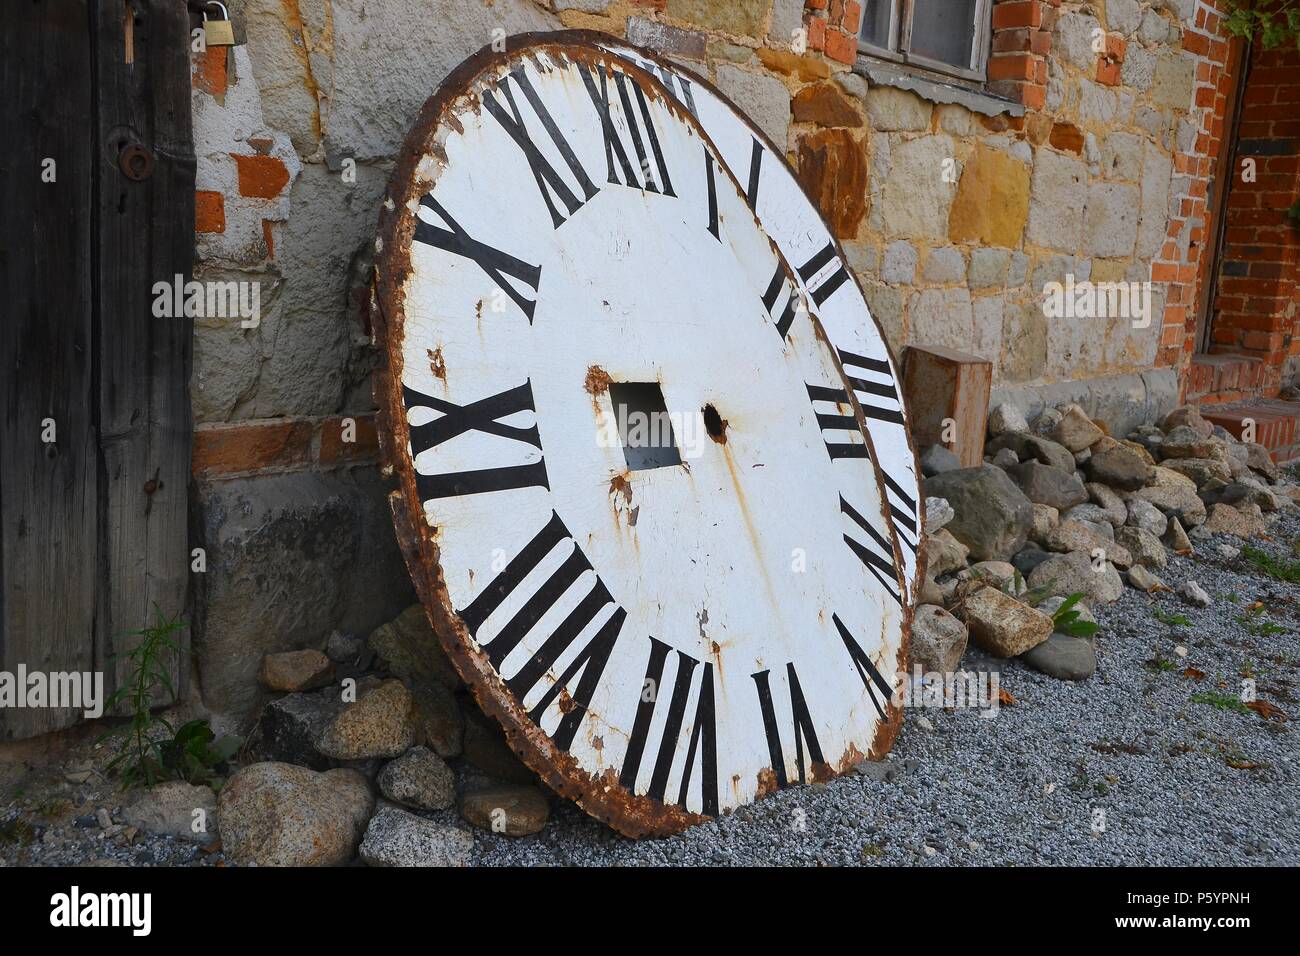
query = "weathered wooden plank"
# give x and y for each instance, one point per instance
(48, 492)
(145, 229)
(942, 384)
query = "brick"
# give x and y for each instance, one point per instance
(243, 447)
(261, 177)
(841, 46)
(209, 73)
(209, 211)
(334, 450)
(1011, 14)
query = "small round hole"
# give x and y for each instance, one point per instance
(714, 424)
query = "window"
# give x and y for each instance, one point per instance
(949, 36)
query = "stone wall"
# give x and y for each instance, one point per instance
(1087, 155)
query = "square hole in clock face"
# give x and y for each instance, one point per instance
(644, 426)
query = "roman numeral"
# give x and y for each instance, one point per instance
(672, 81)
(804, 732)
(837, 422)
(780, 284)
(713, 193)
(868, 392)
(548, 180)
(494, 262)
(482, 416)
(872, 679)
(613, 142)
(755, 170)
(877, 555)
(825, 285)
(591, 659)
(704, 734)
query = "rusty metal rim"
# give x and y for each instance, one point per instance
(601, 797)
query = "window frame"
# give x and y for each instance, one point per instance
(900, 40)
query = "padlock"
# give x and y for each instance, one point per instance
(218, 32)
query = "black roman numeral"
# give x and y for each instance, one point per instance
(672, 81)
(642, 133)
(494, 262)
(804, 732)
(872, 679)
(877, 555)
(755, 171)
(482, 416)
(827, 285)
(837, 422)
(591, 659)
(868, 392)
(779, 285)
(704, 734)
(713, 193)
(548, 180)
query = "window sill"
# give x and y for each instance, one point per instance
(935, 88)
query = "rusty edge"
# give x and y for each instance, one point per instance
(601, 796)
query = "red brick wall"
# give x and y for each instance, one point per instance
(1255, 311)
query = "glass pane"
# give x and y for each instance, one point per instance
(875, 22)
(944, 30)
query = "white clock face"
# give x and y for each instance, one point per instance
(798, 230)
(637, 495)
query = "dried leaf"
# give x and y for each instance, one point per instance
(1267, 710)
(1005, 698)
(1193, 673)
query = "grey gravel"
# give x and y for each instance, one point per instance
(1020, 788)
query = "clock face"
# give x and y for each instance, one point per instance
(798, 230)
(637, 495)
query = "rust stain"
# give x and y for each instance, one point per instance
(437, 364)
(598, 381)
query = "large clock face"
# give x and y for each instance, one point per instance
(638, 496)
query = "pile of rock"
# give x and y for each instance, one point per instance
(1061, 508)
(371, 745)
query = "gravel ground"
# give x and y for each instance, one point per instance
(1182, 782)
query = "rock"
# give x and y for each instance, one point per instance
(1183, 442)
(1006, 418)
(377, 724)
(1249, 492)
(275, 814)
(344, 648)
(1175, 538)
(437, 719)
(1046, 421)
(1143, 514)
(938, 640)
(1259, 459)
(992, 515)
(1050, 605)
(512, 810)
(937, 459)
(418, 779)
(1044, 519)
(487, 749)
(1002, 625)
(1045, 485)
(1081, 456)
(1193, 594)
(1144, 546)
(1120, 467)
(1063, 657)
(407, 647)
(1001, 574)
(1202, 471)
(1175, 495)
(1074, 573)
(1225, 519)
(1091, 514)
(1029, 558)
(1075, 430)
(1187, 416)
(937, 513)
(944, 553)
(1072, 536)
(1111, 503)
(1228, 552)
(1005, 458)
(1034, 447)
(1143, 580)
(289, 727)
(169, 809)
(292, 671)
(398, 838)
(930, 592)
